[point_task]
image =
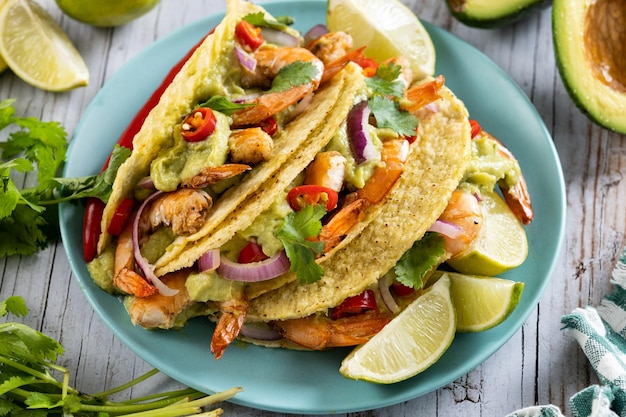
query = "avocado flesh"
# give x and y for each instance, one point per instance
(493, 13)
(590, 47)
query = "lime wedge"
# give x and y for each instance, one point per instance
(106, 13)
(501, 245)
(483, 302)
(414, 340)
(36, 48)
(388, 29)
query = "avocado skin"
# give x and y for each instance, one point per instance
(465, 15)
(611, 117)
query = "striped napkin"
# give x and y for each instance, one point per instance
(601, 333)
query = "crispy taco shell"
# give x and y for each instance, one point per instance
(435, 166)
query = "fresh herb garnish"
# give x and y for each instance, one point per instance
(259, 20)
(224, 105)
(25, 224)
(29, 388)
(425, 254)
(297, 227)
(388, 114)
(293, 75)
(385, 82)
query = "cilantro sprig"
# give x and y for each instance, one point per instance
(259, 20)
(298, 227)
(28, 386)
(425, 255)
(34, 146)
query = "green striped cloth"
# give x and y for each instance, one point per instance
(601, 333)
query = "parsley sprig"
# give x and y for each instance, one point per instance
(37, 146)
(298, 227)
(28, 386)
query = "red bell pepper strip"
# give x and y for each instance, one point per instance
(303, 195)
(269, 126)
(476, 128)
(252, 252)
(199, 125)
(355, 305)
(94, 206)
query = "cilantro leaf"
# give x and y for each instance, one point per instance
(296, 228)
(388, 114)
(385, 82)
(425, 255)
(223, 105)
(14, 305)
(293, 75)
(259, 20)
(21, 233)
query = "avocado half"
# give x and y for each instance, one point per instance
(493, 13)
(590, 48)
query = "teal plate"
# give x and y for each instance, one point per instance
(309, 382)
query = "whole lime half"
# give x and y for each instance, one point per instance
(106, 13)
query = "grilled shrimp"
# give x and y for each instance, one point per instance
(214, 174)
(185, 210)
(250, 146)
(232, 318)
(331, 46)
(463, 211)
(268, 62)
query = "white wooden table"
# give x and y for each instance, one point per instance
(552, 365)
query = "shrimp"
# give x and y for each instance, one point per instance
(269, 62)
(463, 210)
(422, 94)
(185, 210)
(406, 73)
(124, 276)
(250, 146)
(319, 332)
(517, 197)
(160, 311)
(214, 174)
(331, 46)
(342, 222)
(328, 169)
(229, 324)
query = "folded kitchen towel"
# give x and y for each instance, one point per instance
(601, 333)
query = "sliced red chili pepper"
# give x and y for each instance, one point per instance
(252, 252)
(121, 216)
(476, 129)
(355, 305)
(401, 290)
(248, 36)
(269, 126)
(369, 66)
(91, 227)
(303, 195)
(95, 207)
(199, 125)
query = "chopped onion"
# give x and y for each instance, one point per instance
(433, 107)
(146, 182)
(142, 263)
(254, 271)
(315, 32)
(384, 285)
(209, 261)
(448, 229)
(279, 37)
(246, 60)
(361, 143)
(246, 99)
(267, 334)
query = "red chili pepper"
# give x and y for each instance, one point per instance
(476, 129)
(401, 290)
(269, 126)
(121, 216)
(369, 66)
(248, 36)
(199, 125)
(252, 252)
(355, 305)
(303, 195)
(94, 207)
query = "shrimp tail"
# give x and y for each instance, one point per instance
(228, 326)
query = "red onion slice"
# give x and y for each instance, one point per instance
(384, 285)
(265, 334)
(209, 261)
(246, 60)
(146, 183)
(279, 37)
(254, 271)
(144, 265)
(361, 142)
(315, 32)
(448, 229)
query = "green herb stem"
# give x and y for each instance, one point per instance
(44, 378)
(127, 385)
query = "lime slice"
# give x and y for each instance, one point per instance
(483, 302)
(106, 12)
(388, 29)
(410, 343)
(3, 64)
(501, 245)
(36, 48)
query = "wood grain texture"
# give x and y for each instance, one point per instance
(539, 365)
